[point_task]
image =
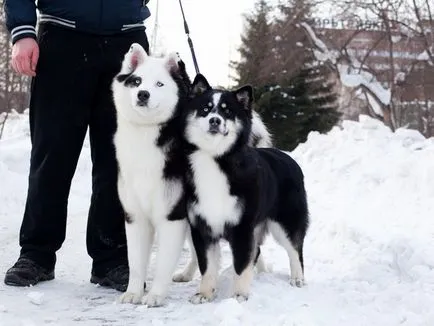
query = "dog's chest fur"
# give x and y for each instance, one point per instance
(214, 202)
(144, 186)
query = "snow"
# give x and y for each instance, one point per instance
(423, 56)
(396, 38)
(353, 77)
(400, 77)
(369, 254)
(374, 105)
(36, 297)
(322, 53)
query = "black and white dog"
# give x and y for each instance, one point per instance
(237, 192)
(149, 95)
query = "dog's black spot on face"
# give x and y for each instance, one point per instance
(205, 110)
(133, 81)
(227, 112)
(227, 107)
(122, 77)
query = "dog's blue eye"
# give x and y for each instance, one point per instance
(137, 81)
(205, 109)
(159, 84)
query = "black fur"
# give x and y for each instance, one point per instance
(170, 139)
(122, 77)
(268, 183)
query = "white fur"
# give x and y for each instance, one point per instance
(190, 269)
(146, 196)
(297, 277)
(216, 98)
(260, 131)
(204, 123)
(242, 283)
(162, 100)
(261, 267)
(215, 204)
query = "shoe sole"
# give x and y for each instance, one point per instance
(106, 282)
(17, 281)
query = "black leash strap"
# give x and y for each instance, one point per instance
(190, 42)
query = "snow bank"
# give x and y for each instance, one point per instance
(382, 177)
(369, 253)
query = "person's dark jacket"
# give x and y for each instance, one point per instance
(103, 17)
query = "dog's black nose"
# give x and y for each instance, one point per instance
(214, 121)
(143, 96)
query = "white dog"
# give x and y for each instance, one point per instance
(146, 95)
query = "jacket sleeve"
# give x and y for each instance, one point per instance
(20, 18)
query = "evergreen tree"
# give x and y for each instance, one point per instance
(254, 46)
(282, 107)
(293, 92)
(296, 107)
(290, 44)
(322, 113)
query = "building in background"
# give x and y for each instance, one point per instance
(395, 56)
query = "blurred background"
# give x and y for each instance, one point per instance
(313, 63)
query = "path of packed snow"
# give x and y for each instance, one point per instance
(369, 254)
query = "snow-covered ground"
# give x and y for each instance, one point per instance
(369, 254)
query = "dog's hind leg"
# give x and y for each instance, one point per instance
(140, 235)
(260, 233)
(171, 237)
(188, 273)
(260, 263)
(294, 250)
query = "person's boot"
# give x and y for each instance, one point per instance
(25, 272)
(116, 278)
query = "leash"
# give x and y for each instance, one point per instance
(190, 42)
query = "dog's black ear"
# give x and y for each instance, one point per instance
(244, 95)
(200, 85)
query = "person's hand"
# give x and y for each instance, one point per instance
(25, 55)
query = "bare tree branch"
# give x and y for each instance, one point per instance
(3, 123)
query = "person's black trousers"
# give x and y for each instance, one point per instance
(71, 93)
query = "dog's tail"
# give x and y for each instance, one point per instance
(259, 136)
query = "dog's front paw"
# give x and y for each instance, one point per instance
(200, 298)
(182, 277)
(153, 300)
(130, 297)
(296, 281)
